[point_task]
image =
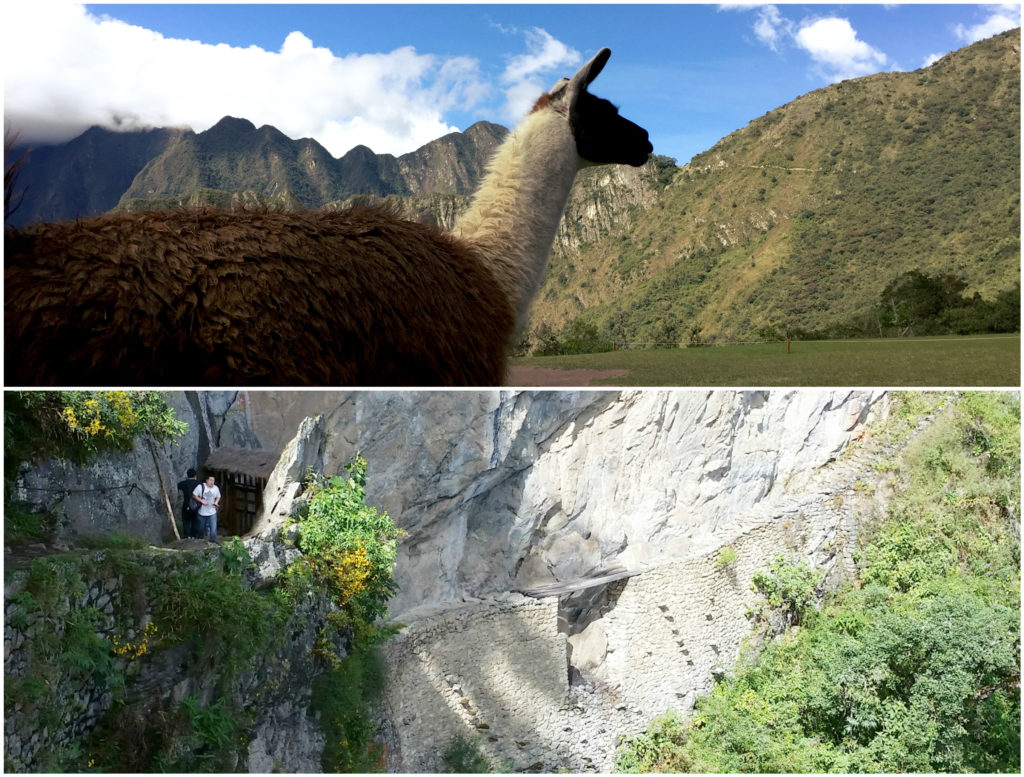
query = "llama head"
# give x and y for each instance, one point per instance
(602, 135)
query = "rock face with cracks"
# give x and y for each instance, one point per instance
(512, 491)
(561, 581)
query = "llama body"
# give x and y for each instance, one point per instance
(357, 298)
(249, 298)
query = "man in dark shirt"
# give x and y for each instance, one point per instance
(189, 506)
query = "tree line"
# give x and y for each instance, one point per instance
(912, 304)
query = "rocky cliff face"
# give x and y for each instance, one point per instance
(563, 549)
(122, 492)
(503, 491)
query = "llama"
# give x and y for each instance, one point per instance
(358, 297)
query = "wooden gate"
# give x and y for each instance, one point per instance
(241, 474)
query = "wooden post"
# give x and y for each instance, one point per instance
(163, 487)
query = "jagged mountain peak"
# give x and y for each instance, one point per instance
(231, 124)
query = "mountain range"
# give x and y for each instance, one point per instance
(795, 222)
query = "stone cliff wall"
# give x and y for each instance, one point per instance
(509, 490)
(550, 683)
(610, 509)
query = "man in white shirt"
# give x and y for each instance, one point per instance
(208, 496)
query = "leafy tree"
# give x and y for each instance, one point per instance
(349, 544)
(580, 337)
(547, 342)
(790, 588)
(914, 298)
(577, 337)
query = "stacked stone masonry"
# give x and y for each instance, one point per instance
(549, 684)
(275, 688)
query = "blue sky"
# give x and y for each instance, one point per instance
(396, 76)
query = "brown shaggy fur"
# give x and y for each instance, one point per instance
(542, 102)
(208, 297)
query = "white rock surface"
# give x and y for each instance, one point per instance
(512, 490)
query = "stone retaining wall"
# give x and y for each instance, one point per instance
(274, 688)
(550, 684)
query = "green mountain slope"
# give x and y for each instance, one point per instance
(801, 218)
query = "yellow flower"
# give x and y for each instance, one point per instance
(346, 573)
(68, 414)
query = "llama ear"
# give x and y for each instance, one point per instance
(586, 74)
(568, 90)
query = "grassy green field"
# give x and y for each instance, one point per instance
(982, 360)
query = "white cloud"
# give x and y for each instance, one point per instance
(526, 76)
(833, 44)
(66, 69)
(931, 59)
(1000, 19)
(770, 27)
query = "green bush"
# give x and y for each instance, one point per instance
(656, 750)
(351, 545)
(913, 668)
(464, 756)
(211, 609)
(342, 697)
(78, 425)
(576, 337)
(791, 588)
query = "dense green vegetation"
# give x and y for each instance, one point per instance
(342, 696)
(992, 360)
(350, 545)
(200, 608)
(912, 667)
(916, 303)
(912, 304)
(79, 425)
(349, 550)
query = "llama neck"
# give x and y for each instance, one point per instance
(515, 214)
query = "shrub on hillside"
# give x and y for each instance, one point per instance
(913, 668)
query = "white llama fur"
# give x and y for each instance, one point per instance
(515, 216)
